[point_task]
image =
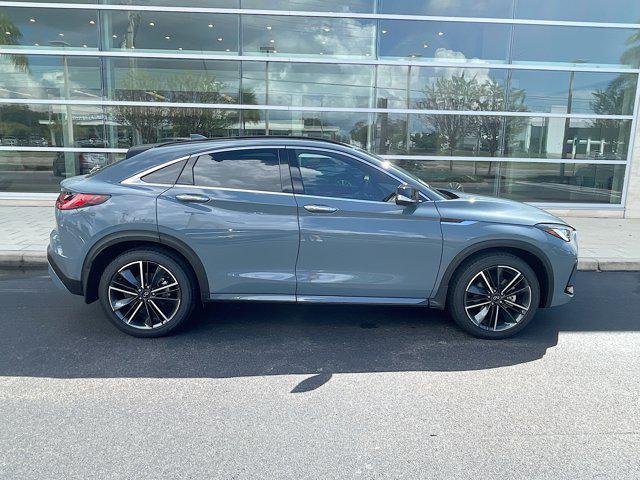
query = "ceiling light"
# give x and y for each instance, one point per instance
(84, 46)
(323, 42)
(168, 37)
(179, 48)
(440, 34)
(7, 33)
(114, 36)
(220, 39)
(92, 22)
(269, 27)
(272, 41)
(61, 34)
(32, 20)
(210, 25)
(326, 29)
(275, 51)
(321, 53)
(152, 24)
(384, 31)
(425, 46)
(227, 50)
(37, 44)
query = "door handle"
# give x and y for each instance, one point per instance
(192, 197)
(320, 209)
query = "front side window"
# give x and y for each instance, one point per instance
(334, 175)
(242, 169)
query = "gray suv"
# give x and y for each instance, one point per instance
(299, 220)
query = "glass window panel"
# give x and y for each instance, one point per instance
(575, 138)
(129, 126)
(309, 84)
(470, 177)
(458, 8)
(308, 36)
(450, 41)
(52, 126)
(613, 47)
(55, 77)
(48, 28)
(448, 135)
(171, 80)
(352, 6)
(162, 31)
(352, 128)
(43, 171)
(247, 169)
(338, 176)
(166, 175)
(603, 93)
(623, 11)
(566, 182)
(183, 3)
(539, 91)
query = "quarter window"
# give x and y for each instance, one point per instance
(243, 169)
(335, 175)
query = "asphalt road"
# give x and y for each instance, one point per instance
(284, 391)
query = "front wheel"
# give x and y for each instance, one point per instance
(146, 293)
(494, 296)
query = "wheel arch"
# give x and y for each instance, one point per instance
(116, 243)
(531, 254)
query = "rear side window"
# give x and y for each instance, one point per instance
(166, 175)
(244, 169)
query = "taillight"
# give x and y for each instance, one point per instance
(71, 201)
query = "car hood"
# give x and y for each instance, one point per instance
(489, 209)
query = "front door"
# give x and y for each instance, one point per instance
(233, 209)
(354, 240)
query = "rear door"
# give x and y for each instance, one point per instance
(235, 209)
(355, 241)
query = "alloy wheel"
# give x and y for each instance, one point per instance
(497, 298)
(144, 294)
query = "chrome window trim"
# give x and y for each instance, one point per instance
(361, 160)
(137, 178)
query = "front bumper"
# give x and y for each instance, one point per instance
(60, 279)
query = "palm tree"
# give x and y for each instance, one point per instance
(10, 34)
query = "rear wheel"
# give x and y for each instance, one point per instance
(146, 293)
(494, 296)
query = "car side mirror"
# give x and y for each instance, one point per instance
(407, 195)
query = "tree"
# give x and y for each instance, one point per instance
(13, 38)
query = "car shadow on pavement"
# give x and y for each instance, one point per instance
(47, 333)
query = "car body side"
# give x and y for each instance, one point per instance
(85, 240)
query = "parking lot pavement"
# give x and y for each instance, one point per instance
(304, 391)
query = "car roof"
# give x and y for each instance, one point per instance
(190, 146)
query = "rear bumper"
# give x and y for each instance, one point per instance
(60, 279)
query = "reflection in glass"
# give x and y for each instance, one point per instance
(450, 41)
(48, 28)
(309, 84)
(470, 177)
(342, 6)
(623, 11)
(51, 126)
(459, 8)
(129, 126)
(449, 135)
(169, 80)
(608, 47)
(570, 182)
(55, 77)
(308, 36)
(575, 138)
(178, 32)
(42, 171)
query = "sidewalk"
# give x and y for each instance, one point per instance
(605, 243)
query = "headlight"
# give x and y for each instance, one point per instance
(563, 232)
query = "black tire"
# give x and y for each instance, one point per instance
(157, 313)
(468, 293)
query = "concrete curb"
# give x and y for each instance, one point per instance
(23, 259)
(20, 259)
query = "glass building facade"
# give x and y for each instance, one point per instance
(534, 101)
